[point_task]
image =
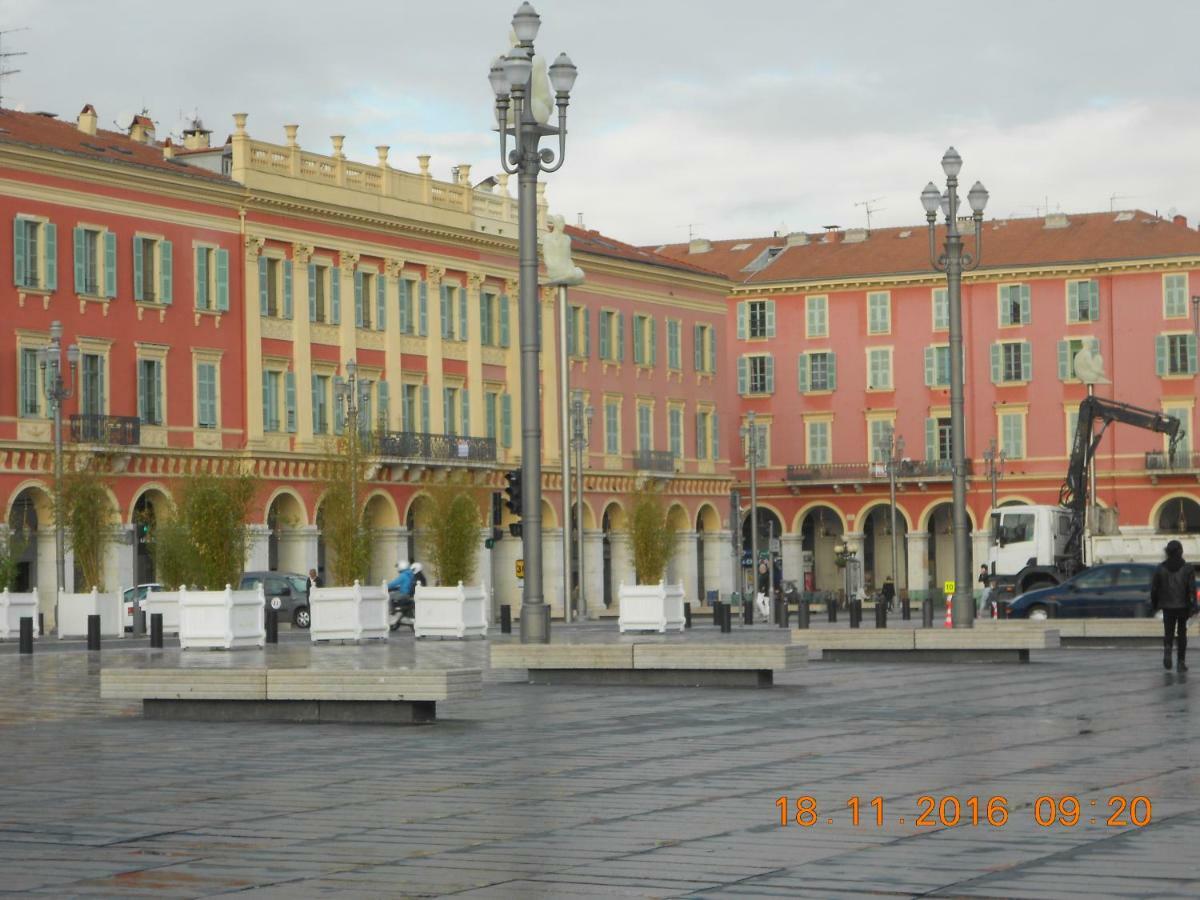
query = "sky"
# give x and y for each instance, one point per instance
(689, 117)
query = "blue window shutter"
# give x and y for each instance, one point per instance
(770, 373)
(447, 412)
(1026, 361)
(1094, 300)
(931, 439)
(266, 400)
(930, 367)
(1191, 351)
(138, 290)
(110, 264)
(1160, 354)
(620, 339)
(339, 408)
(802, 372)
(384, 400)
(335, 296)
(700, 436)
(770, 318)
(741, 321)
(50, 239)
(504, 320)
(20, 265)
(425, 408)
(358, 299)
(712, 350)
(423, 309)
(605, 339)
(462, 314)
(287, 288)
(1064, 360)
(201, 278)
(80, 253)
(166, 273)
(290, 400)
(653, 340)
(465, 400)
(831, 362)
(587, 333)
(743, 374)
(263, 309)
(698, 347)
(222, 280)
(405, 306)
(444, 307)
(485, 329)
(716, 437)
(381, 302)
(1073, 300)
(1025, 304)
(316, 403)
(312, 292)
(506, 420)
(997, 367)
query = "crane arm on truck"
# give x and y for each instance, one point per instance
(1074, 493)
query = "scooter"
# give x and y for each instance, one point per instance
(402, 610)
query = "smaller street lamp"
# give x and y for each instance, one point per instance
(895, 449)
(57, 390)
(581, 436)
(750, 435)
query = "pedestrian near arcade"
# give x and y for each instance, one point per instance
(1173, 590)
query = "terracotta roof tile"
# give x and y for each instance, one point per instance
(33, 130)
(597, 244)
(1087, 237)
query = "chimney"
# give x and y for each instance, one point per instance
(168, 149)
(797, 239)
(1056, 220)
(1180, 220)
(141, 130)
(464, 174)
(699, 245)
(87, 120)
(854, 236)
(196, 136)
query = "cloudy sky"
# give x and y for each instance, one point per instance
(731, 119)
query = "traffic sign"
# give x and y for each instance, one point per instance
(948, 587)
(520, 567)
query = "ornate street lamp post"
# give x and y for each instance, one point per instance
(750, 436)
(953, 260)
(516, 83)
(995, 462)
(57, 390)
(581, 435)
(895, 448)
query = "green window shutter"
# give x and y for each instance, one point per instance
(405, 306)
(638, 347)
(931, 439)
(425, 408)
(770, 318)
(620, 337)
(1160, 354)
(1191, 351)
(1073, 300)
(1026, 361)
(142, 390)
(506, 420)
(743, 374)
(462, 314)
(158, 393)
(312, 292)
(423, 309)
(287, 288)
(384, 399)
(741, 321)
(605, 340)
(447, 412)
(50, 238)
(930, 366)
(335, 296)
(571, 311)
(465, 394)
(587, 332)
(201, 278)
(101, 406)
(1094, 300)
(770, 374)
(110, 264)
(80, 254)
(316, 403)
(1025, 304)
(166, 273)
(380, 302)
(485, 330)
(716, 443)
(802, 373)
(358, 299)
(712, 350)
(339, 408)
(444, 306)
(1064, 360)
(504, 339)
(653, 334)
(138, 290)
(222, 280)
(997, 369)
(698, 347)
(489, 414)
(20, 264)
(810, 311)
(266, 401)
(262, 286)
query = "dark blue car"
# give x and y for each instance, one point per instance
(1111, 590)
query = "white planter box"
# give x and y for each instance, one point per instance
(222, 620)
(74, 609)
(166, 603)
(14, 608)
(651, 607)
(454, 612)
(348, 613)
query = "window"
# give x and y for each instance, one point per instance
(491, 401)
(817, 372)
(816, 317)
(756, 374)
(91, 385)
(1175, 296)
(937, 439)
(150, 391)
(579, 337)
(1012, 362)
(879, 369)
(152, 270)
(1014, 304)
(270, 398)
(1183, 446)
(612, 427)
(275, 287)
(761, 438)
(1012, 435)
(320, 277)
(1176, 354)
(206, 395)
(409, 403)
(450, 406)
(95, 262)
(409, 292)
(645, 341)
(454, 312)
(645, 432)
(705, 349)
(320, 404)
(35, 254)
(612, 336)
(1083, 301)
(756, 319)
(273, 269)
(879, 439)
(487, 319)
(31, 383)
(212, 279)
(937, 366)
(1067, 351)
(675, 431)
(1134, 576)
(1072, 426)
(364, 294)
(703, 426)
(674, 356)
(941, 309)
(879, 312)
(816, 442)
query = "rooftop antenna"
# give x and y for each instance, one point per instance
(866, 204)
(692, 226)
(1113, 198)
(4, 56)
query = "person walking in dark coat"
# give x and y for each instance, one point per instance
(1173, 590)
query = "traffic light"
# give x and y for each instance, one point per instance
(512, 490)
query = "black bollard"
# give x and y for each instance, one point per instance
(716, 611)
(272, 625)
(93, 632)
(881, 615)
(747, 612)
(726, 618)
(26, 635)
(927, 612)
(687, 615)
(831, 607)
(505, 618)
(802, 614)
(905, 609)
(41, 624)
(156, 631)
(855, 613)
(787, 612)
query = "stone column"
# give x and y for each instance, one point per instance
(622, 566)
(483, 572)
(506, 587)
(386, 551)
(682, 568)
(718, 560)
(256, 549)
(593, 572)
(918, 564)
(855, 541)
(120, 569)
(793, 559)
(552, 570)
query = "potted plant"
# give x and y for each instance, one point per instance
(456, 608)
(87, 515)
(651, 604)
(13, 607)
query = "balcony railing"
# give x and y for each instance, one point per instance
(906, 469)
(1180, 461)
(654, 461)
(119, 431)
(435, 447)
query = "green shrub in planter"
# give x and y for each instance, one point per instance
(651, 535)
(453, 533)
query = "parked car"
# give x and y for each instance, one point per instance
(133, 598)
(1112, 590)
(288, 588)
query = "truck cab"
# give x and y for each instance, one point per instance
(1027, 544)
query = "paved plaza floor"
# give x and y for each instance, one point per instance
(533, 792)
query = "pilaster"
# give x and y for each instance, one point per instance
(302, 343)
(550, 357)
(393, 270)
(253, 247)
(433, 345)
(347, 338)
(512, 368)
(478, 426)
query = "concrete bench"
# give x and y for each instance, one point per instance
(1115, 632)
(370, 696)
(926, 644)
(692, 664)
